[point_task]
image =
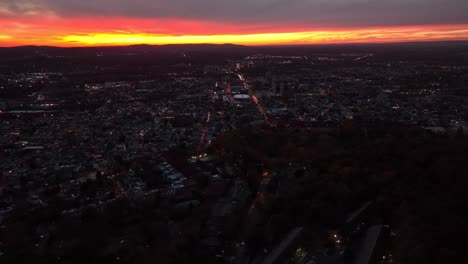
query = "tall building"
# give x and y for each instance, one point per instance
(274, 85)
(282, 89)
(278, 87)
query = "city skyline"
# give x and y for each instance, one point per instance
(97, 23)
(295, 142)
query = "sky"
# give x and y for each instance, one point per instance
(249, 22)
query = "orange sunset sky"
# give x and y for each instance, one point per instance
(104, 22)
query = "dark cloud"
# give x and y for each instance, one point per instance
(303, 12)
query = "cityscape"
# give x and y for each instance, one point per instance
(231, 154)
(233, 133)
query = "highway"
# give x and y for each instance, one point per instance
(363, 57)
(256, 101)
(203, 132)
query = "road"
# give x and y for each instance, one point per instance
(256, 101)
(363, 57)
(203, 132)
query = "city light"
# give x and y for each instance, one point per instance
(232, 132)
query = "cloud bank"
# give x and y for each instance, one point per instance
(317, 13)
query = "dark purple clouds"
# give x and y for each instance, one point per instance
(314, 13)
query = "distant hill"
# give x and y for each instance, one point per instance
(456, 51)
(28, 51)
(51, 50)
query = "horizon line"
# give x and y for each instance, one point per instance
(241, 45)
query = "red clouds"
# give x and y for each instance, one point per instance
(123, 31)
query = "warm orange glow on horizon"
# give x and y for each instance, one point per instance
(124, 31)
(309, 37)
(130, 38)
